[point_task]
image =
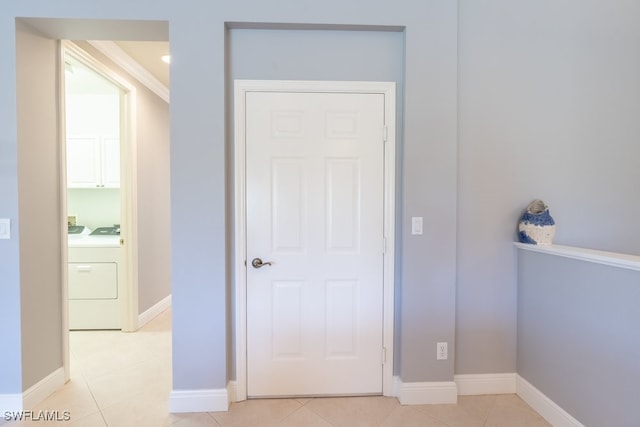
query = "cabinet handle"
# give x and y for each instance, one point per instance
(83, 269)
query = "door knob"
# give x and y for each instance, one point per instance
(257, 263)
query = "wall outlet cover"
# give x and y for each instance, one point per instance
(442, 351)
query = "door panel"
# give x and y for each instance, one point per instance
(288, 205)
(343, 205)
(315, 196)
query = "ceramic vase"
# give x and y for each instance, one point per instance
(536, 226)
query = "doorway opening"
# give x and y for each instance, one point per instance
(94, 133)
(113, 286)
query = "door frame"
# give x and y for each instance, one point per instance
(128, 193)
(388, 134)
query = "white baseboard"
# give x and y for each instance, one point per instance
(214, 400)
(43, 389)
(150, 314)
(477, 384)
(427, 393)
(397, 385)
(554, 414)
(232, 391)
(509, 383)
(11, 403)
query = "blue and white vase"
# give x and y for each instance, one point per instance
(536, 226)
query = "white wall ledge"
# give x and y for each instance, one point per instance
(613, 259)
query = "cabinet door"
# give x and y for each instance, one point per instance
(83, 162)
(110, 162)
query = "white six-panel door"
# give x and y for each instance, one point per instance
(315, 211)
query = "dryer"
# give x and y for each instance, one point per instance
(95, 281)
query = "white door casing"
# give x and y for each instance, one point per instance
(319, 320)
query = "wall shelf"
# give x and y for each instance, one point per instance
(614, 259)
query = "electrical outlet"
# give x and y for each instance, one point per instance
(442, 351)
(72, 220)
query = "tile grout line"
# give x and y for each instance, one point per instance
(280, 421)
(210, 416)
(316, 414)
(488, 414)
(84, 379)
(96, 402)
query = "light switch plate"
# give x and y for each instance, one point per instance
(416, 225)
(5, 228)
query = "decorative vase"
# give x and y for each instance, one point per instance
(536, 226)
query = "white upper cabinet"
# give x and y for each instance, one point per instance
(93, 162)
(110, 165)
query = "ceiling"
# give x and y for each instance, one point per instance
(148, 54)
(82, 80)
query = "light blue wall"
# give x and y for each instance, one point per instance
(10, 321)
(578, 336)
(549, 95)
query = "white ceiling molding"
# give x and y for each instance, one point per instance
(122, 59)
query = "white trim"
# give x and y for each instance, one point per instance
(127, 63)
(232, 391)
(397, 385)
(240, 233)
(388, 89)
(214, 400)
(477, 384)
(428, 393)
(553, 413)
(64, 235)
(613, 259)
(129, 206)
(43, 388)
(154, 311)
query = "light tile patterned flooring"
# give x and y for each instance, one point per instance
(123, 379)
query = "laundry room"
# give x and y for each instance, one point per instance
(92, 106)
(93, 122)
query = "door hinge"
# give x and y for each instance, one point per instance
(384, 355)
(385, 133)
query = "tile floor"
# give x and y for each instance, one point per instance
(123, 379)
